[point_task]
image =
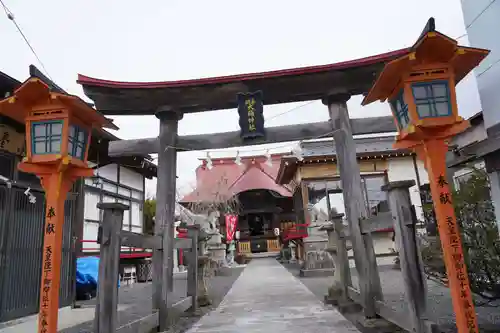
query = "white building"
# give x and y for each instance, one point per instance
(113, 183)
(379, 164)
(119, 180)
(116, 179)
(461, 160)
(482, 20)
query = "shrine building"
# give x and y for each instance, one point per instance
(262, 205)
(290, 192)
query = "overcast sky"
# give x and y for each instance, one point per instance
(157, 40)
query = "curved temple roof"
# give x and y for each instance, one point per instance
(217, 93)
(227, 179)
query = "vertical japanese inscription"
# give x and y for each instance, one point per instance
(454, 245)
(250, 110)
(50, 230)
(250, 105)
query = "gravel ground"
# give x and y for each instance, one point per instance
(137, 298)
(439, 306)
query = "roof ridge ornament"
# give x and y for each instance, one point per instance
(209, 161)
(429, 27)
(237, 159)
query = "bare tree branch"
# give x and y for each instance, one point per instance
(219, 199)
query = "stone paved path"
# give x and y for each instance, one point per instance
(268, 298)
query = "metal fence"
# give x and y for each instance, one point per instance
(21, 241)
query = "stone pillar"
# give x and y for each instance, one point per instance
(203, 271)
(176, 261)
(337, 247)
(293, 252)
(177, 267)
(163, 260)
(355, 207)
(230, 256)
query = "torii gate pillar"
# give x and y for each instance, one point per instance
(354, 202)
(163, 261)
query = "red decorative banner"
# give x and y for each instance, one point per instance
(231, 222)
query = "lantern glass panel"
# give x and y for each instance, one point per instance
(400, 109)
(77, 141)
(432, 99)
(46, 137)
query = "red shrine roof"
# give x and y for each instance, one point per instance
(226, 179)
(218, 93)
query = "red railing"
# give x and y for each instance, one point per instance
(295, 232)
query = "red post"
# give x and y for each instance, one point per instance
(434, 153)
(181, 233)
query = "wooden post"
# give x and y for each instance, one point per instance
(337, 293)
(106, 310)
(410, 258)
(307, 220)
(364, 254)
(165, 212)
(434, 153)
(192, 273)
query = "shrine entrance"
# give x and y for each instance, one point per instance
(257, 224)
(170, 100)
(249, 93)
(334, 84)
(261, 212)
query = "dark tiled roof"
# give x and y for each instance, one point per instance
(363, 146)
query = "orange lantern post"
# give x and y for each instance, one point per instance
(58, 132)
(420, 88)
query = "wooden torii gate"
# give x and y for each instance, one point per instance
(333, 84)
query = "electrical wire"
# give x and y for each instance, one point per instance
(480, 14)
(288, 111)
(11, 17)
(476, 18)
(489, 67)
